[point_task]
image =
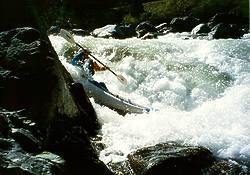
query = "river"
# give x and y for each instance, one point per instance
(200, 89)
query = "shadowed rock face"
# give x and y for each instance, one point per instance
(44, 115)
(33, 77)
(42, 109)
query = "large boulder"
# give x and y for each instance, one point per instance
(33, 78)
(183, 24)
(178, 159)
(224, 31)
(171, 158)
(145, 27)
(201, 29)
(42, 110)
(114, 31)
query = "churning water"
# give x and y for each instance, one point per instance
(200, 88)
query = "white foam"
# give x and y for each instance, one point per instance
(201, 88)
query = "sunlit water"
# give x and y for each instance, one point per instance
(200, 88)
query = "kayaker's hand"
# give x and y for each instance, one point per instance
(106, 68)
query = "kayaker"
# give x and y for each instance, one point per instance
(83, 60)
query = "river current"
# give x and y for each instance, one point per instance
(200, 89)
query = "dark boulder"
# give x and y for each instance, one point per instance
(80, 32)
(144, 28)
(177, 159)
(149, 27)
(183, 24)
(163, 28)
(171, 158)
(201, 29)
(54, 30)
(226, 167)
(42, 110)
(149, 36)
(114, 31)
(15, 161)
(224, 31)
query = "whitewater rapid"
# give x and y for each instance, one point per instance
(200, 87)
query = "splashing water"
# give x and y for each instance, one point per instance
(201, 88)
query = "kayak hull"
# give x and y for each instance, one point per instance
(114, 102)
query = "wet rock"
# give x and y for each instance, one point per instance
(54, 30)
(183, 24)
(144, 28)
(27, 141)
(80, 32)
(178, 159)
(223, 167)
(163, 28)
(170, 158)
(201, 29)
(224, 31)
(15, 161)
(149, 36)
(41, 111)
(114, 31)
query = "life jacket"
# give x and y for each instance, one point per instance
(77, 57)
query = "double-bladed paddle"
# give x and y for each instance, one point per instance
(67, 36)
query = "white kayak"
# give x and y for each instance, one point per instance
(114, 102)
(102, 96)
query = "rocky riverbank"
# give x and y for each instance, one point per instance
(46, 120)
(220, 26)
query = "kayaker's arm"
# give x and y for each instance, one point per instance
(97, 67)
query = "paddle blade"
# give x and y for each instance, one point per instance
(122, 79)
(67, 36)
